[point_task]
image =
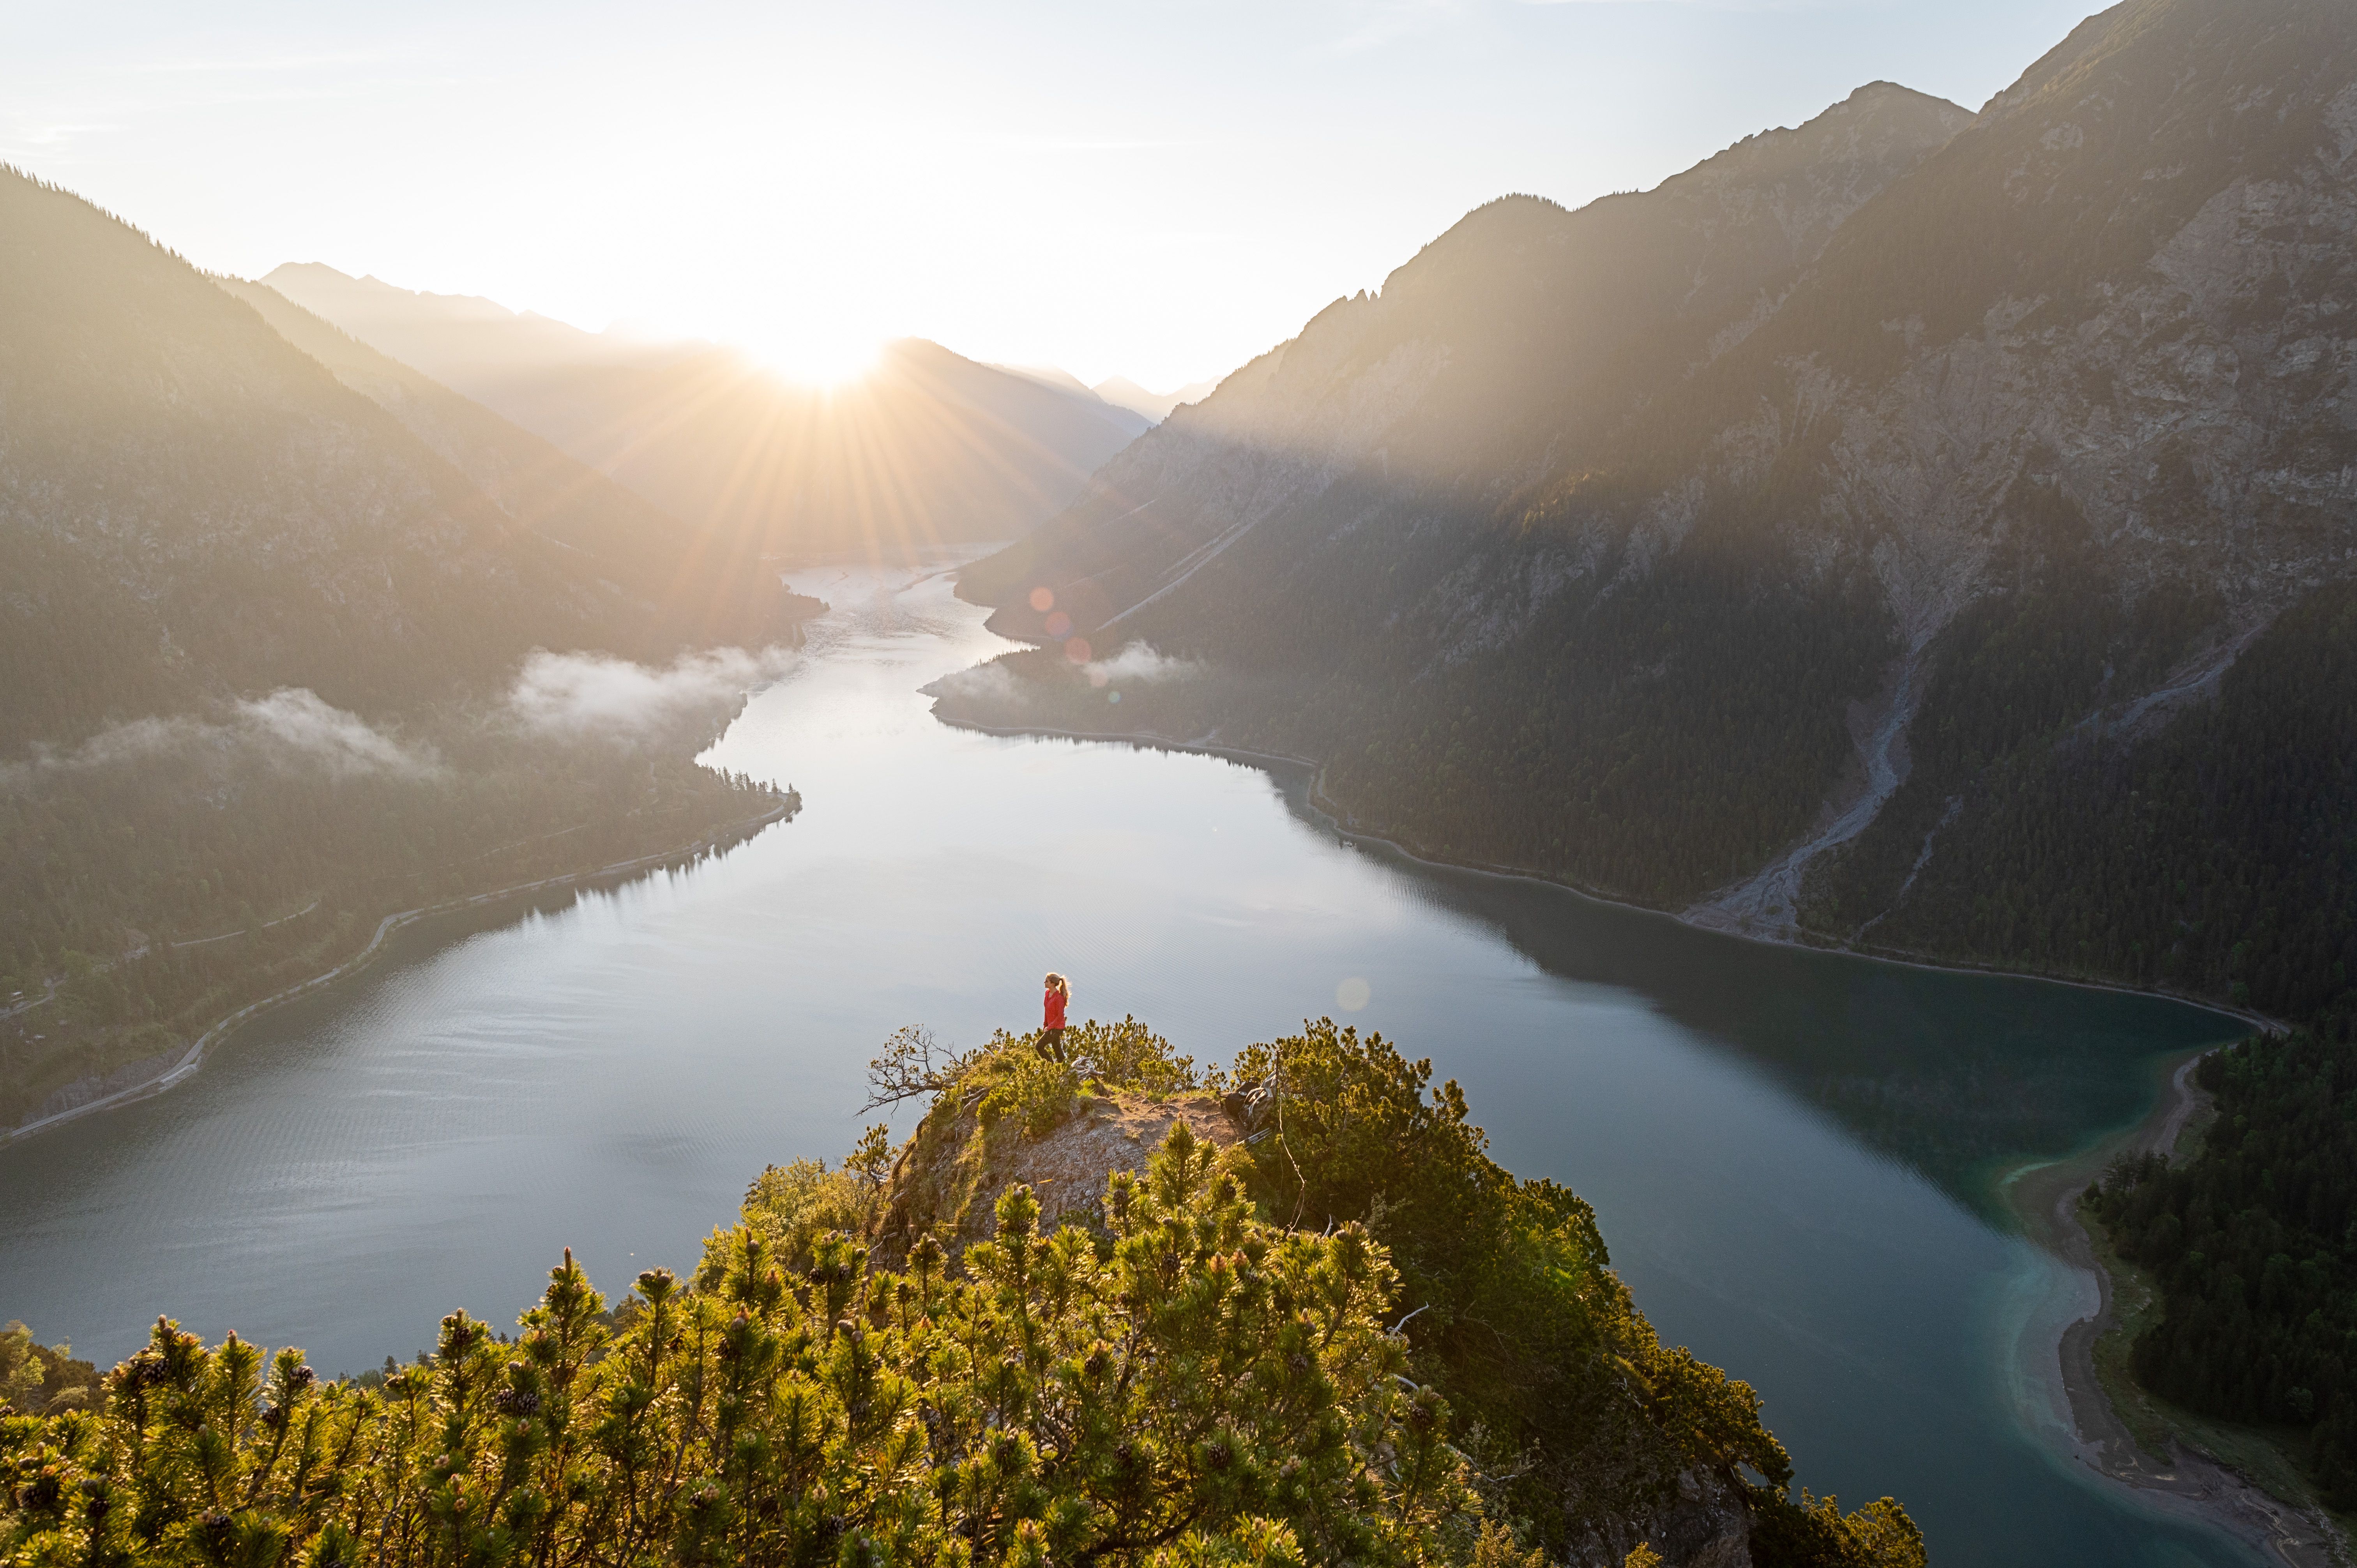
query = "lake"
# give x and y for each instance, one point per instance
(1792, 1154)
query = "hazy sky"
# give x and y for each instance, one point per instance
(1161, 190)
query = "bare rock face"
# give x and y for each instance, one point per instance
(953, 1172)
(2131, 273)
(1708, 1526)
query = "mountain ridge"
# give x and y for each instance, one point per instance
(688, 575)
(1386, 357)
(928, 448)
(1154, 406)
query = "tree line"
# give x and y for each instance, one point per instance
(161, 894)
(2253, 1245)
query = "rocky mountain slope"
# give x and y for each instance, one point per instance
(1750, 546)
(927, 447)
(1514, 334)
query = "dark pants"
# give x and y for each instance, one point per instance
(1051, 1044)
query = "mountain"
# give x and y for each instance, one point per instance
(1122, 392)
(461, 340)
(1918, 530)
(927, 448)
(703, 584)
(1132, 417)
(1056, 378)
(190, 505)
(1521, 326)
(278, 668)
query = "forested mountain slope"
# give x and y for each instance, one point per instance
(700, 582)
(926, 447)
(275, 668)
(190, 506)
(1777, 579)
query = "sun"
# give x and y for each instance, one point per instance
(817, 354)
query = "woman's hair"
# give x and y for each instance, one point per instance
(1058, 982)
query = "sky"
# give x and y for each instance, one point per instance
(1159, 190)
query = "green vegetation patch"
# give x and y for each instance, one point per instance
(44, 1378)
(2253, 1246)
(1207, 1390)
(1347, 1337)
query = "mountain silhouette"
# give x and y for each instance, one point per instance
(195, 507)
(927, 448)
(1122, 392)
(707, 587)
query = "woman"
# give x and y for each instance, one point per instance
(1051, 1031)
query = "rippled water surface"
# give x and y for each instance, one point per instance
(1791, 1153)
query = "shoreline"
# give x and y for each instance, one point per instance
(2043, 1197)
(1349, 828)
(186, 1066)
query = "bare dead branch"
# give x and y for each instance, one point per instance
(912, 1066)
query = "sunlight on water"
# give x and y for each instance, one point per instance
(1788, 1152)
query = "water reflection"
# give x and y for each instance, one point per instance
(1953, 1074)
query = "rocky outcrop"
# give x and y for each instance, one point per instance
(952, 1174)
(1707, 1525)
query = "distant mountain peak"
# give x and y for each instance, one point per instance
(294, 278)
(1052, 376)
(1884, 112)
(1122, 392)
(926, 446)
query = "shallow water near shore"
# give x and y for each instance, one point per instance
(1792, 1154)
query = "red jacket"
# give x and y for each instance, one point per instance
(1055, 1008)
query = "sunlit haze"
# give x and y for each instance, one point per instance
(1154, 191)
